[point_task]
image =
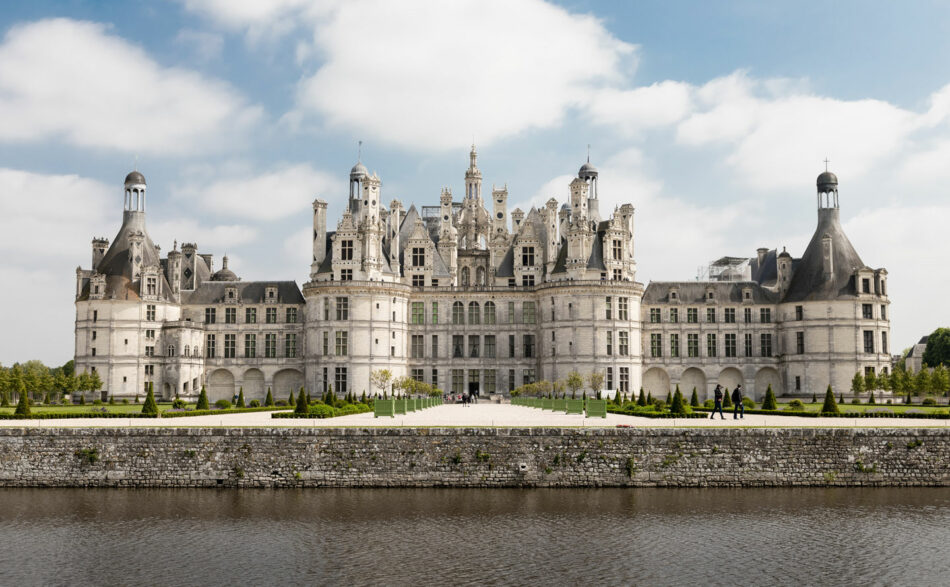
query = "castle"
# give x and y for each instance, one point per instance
(470, 300)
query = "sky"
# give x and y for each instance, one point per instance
(712, 118)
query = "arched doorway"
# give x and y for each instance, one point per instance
(220, 385)
(253, 384)
(286, 381)
(730, 378)
(656, 381)
(693, 378)
(765, 377)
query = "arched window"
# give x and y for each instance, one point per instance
(489, 312)
(465, 276)
(473, 313)
(480, 276)
(187, 351)
(171, 351)
(458, 313)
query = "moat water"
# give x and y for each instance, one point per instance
(472, 537)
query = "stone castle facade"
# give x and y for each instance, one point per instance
(468, 299)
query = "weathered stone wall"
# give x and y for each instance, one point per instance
(294, 457)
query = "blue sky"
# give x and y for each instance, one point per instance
(711, 118)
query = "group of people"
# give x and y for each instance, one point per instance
(738, 409)
(462, 398)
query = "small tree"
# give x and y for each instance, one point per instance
(871, 398)
(596, 381)
(814, 398)
(302, 408)
(726, 399)
(574, 382)
(380, 379)
(203, 400)
(922, 381)
(47, 401)
(669, 396)
(649, 398)
(829, 407)
(677, 406)
(150, 407)
(23, 405)
(769, 403)
(290, 399)
(4, 398)
(694, 399)
(268, 401)
(857, 383)
(617, 399)
(870, 381)
(240, 402)
(642, 400)
(82, 396)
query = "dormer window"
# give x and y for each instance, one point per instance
(865, 285)
(346, 250)
(151, 286)
(418, 257)
(527, 256)
(270, 294)
(231, 295)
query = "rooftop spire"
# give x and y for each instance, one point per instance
(359, 152)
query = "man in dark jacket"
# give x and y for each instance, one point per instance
(738, 407)
(717, 396)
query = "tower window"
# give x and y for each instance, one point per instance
(346, 250)
(418, 257)
(527, 256)
(618, 249)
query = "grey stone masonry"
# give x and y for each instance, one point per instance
(475, 457)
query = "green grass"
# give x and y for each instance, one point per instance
(863, 407)
(76, 409)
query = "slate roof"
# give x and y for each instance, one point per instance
(694, 292)
(808, 282)
(213, 292)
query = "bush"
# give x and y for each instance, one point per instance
(240, 401)
(928, 401)
(125, 401)
(347, 410)
(769, 403)
(22, 406)
(222, 404)
(726, 400)
(710, 403)
(281, 403)
(150, 407)
(871, 398)
(642, 400)
(677, 406)
(254, 404)
(301, 407)
(830, 407)
(319, 410)
(855, 401)
(269, 400)
(749, 403)
(203, 400)
(179, 404)
(795, 404)
(694, 399)
(97, 402)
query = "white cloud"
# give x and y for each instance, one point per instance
(433, 75)
(205, 46)
(73, 82)
(632, 111)
(209, 238)
(298, 250)
(261, 20)
(270, 195)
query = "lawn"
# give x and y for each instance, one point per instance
(76, 409)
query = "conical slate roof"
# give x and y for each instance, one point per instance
(808, 281)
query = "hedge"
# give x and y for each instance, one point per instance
(169, 414)
(320, 411)
(804, 414)
(649, 414)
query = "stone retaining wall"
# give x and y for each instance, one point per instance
(537, 457)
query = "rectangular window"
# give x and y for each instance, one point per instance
(457, 343)
(765, 315)
(209, 315)
(418, 280)
(511, 380)
(884, 343)
(250, 315)
(230, 315)
(608, 309)
(692, 345)
(342, 343)
(617, 246)
(798, 383)
(622, 309)
(624, 379)
(527, 280)
(458, 380)
(209, 346)
(511, 346)
(150, 350)
(610, 378)
(711, 346)
(340, 380)
(418, 256)
(799, 313)
(623, 343)
(95, 315)
(271, 316)
(250, 345)
(435, 346)
(865, 285)
(418, 312)
(730, 340)
(290, 345)
(270, 346)
(527, 256)
(654, 315)
(435, 312)
(869, 341)
(94, 350)
(473, 345)
(710, 314)
(610, 343)
(489, 312)
(417, 374)
(346, 275)
(473, 377)
(511, 312)
(656, 345)
(291, 315)
(747, 314)
(867, 311)
(458, 313)
(766, 344)
(490, 346)
(675, 345)
(528, 313)
(435, 378)
(748, 344)
(149, 313)
(800, 343)
(489, 381)
(343, 308)
(346, 250)
(674, 315)
(692, 315)
(527, 376)
(528, 346)
(883, 312)
(326, 343)
(729, 316)
(230, 346)
(417, 346)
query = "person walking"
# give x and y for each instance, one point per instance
(738, 407)
(717, 396)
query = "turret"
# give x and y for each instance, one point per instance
(189, 253)
(395, 217)
(579, 191)
(473, 178)
(499, 210)
(517, 216)
(549, 213)
(784, 268)
(173, 271)
(319, 236)
(588, 173)
(99, 248)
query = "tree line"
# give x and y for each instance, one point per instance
(37, 380)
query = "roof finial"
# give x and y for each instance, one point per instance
(826, 163)
(135, 166)
(359, 152)
(588, 152)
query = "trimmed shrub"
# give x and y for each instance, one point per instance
(676, 405)
(46, 398)
(726, 399)
(280, 403)
(669, 397)
(694, 399)
(240, 402)
(269, 400)
(796, 404)
(150, 407)
(95, 402)
(254, 404)
(301, 408)
(710, 403)
(22, 406)
(871, 398)
(291, 401)
(749, 403)
(222, 404)
(82, 396)
(203, 400)
(642, 400)
(928, 401)
(179, 404)
(4, 399)
(769, 403)
(830, 407)
(814, 398)
(319, 410)
(649, 401)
